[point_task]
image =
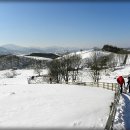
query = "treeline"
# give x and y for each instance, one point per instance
(20, 62)
(46, 55)
(64, 68)
(114, 49)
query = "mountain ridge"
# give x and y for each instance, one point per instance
(15, 49)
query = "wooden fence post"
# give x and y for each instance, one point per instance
(112, 86)
(103, 85)
(98, 84)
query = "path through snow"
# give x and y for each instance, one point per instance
(122, 119)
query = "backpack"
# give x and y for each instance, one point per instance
(128, 78)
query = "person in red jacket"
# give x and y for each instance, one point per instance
(121, 81)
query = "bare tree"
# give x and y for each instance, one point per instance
(55, 70)
(96, 63)
(61, 69)
(66, 67)
(112, 62)
(75, 65)
(70, 67)
(38, 68)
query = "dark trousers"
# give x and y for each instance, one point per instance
(121, 89)
(129, 88)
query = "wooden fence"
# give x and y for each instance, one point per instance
(110, 86)
(113, 109)
(113, 106)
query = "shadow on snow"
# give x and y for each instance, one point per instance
(126, 111)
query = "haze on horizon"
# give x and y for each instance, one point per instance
(45, 24)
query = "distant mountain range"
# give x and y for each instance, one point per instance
(14, 49)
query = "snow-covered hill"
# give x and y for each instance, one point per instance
(118, 58)
(51, 105)
(56, 105)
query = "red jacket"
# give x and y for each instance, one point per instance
(120, 80)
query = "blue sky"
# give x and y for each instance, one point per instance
(85, 24)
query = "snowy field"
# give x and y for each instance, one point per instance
(51, 105)
(45, 105)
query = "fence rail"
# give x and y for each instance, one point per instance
(110, 86)
(113, 109)
(113, 106)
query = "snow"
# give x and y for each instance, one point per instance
(36, 57)
(21, 77)
(60, 105)
(51, 105)
(128, 60)
(122, 119)
(89, 53)
(119, 121)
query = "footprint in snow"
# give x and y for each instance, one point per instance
(12, 93)
(77, 123)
